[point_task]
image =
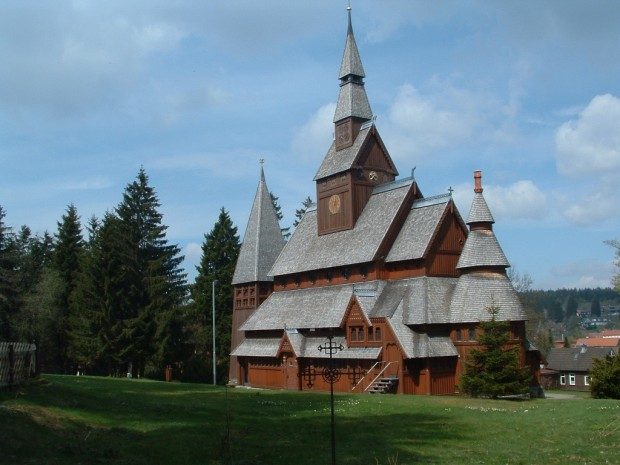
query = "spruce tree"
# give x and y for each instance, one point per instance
(98, 324)
(67, 256)
(154, 281)
(276, 206)
(220, 250)
(299, 213)
(494, 371)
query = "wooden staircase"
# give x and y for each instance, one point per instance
(386, 385)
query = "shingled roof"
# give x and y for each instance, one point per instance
(479, 212)
(415, 236)
(576, 358)
(425, 300)
(419, 344)
(262, 242)
(481, 249)
(352, 101)
(342, 160)
(306, 250)
(475, 293)
(303, 347)
(321, 307)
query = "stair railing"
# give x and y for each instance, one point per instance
(379, 375)
(369, 373)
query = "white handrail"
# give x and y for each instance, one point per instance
(377, 377)
(367, 373)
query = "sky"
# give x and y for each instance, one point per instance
(197, 92)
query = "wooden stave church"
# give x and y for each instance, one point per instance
(395, 277)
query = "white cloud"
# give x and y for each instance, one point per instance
(519, 200)
(590, 144)
(94, 183)
(425, 124)
(314, 137)
(589, 209)
(581, 274)
(192, 253)
(228, 165)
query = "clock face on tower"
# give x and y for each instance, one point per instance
(334, 204)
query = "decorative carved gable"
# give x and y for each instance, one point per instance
(354, 315)
(285, 346)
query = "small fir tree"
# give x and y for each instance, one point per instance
(605, 378)
(494, 370)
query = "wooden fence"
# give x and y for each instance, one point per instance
(17, 362)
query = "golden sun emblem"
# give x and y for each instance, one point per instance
(334, 204)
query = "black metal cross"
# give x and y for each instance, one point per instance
(331, 375)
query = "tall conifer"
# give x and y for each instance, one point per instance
(154, 282)
(67, 256)
(220, 250)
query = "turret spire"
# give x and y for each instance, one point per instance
(352, 100)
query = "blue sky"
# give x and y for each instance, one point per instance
(198, 91)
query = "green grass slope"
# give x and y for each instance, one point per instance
(69, 420)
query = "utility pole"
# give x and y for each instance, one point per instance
(213, 284)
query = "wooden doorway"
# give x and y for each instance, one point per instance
(392, 354)
(291, 372)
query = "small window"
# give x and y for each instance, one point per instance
(377, 334)
(472, 334)
(571, 379)
(357, 333)
(459, 335)
(586, 380)
(563, 380)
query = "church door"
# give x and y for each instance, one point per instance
(291, 372)
(392, 354)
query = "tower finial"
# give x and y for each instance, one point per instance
(261, 161)
(350, 29)
(478, 182)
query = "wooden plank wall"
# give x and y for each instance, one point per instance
(17, 362)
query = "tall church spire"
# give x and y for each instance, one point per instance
(263, 239)
(352, 100)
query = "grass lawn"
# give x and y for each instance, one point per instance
(87, 420)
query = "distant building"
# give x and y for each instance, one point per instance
(398, 279)
(598, 342)
(569, 368)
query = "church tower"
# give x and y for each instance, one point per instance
(357, 160)
(262, 243)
